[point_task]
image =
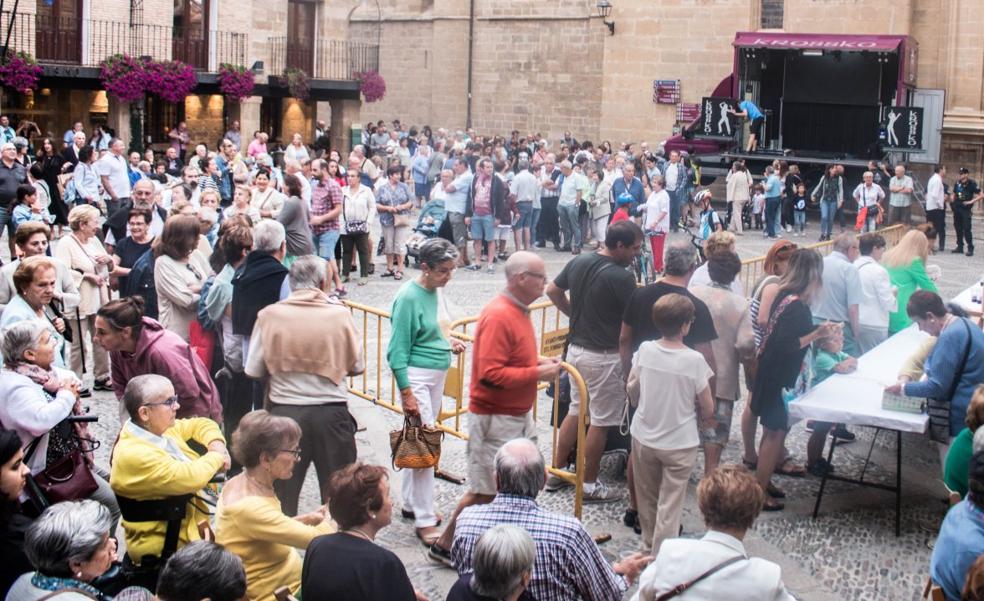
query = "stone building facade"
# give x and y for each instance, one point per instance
(70, 37)
(552, 66)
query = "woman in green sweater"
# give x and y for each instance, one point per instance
(906, 265)
(419, 354)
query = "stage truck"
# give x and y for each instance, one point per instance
(826, 98)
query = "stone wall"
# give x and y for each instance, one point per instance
(203, 114)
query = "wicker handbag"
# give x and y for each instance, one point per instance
(416, 446)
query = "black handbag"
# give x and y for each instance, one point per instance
(939, 408)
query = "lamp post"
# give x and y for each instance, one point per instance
(604, 11)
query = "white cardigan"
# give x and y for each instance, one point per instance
(27, 411)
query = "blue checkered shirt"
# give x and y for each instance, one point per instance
(568, 563)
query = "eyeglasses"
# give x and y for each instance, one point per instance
(541, 276)
(295, 452)
(170, 402)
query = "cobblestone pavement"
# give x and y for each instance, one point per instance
(849, 552)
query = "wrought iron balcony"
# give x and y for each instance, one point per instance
(336, 60)
(87, 42)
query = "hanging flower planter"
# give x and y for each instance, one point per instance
(127, 79)
(235, 82)
(173, 81)
(20, 72)
(123, 77)
(298, 83)
(372, 84)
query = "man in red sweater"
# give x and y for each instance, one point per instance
(505, 370)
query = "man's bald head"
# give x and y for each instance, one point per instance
(520, 468)
(522, 261)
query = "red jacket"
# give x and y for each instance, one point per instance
(164, 353)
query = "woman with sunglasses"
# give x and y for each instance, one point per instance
(179, 273)
(248, 518)
(140, 345)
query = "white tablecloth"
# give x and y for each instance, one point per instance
(965, 300)
(856, 398)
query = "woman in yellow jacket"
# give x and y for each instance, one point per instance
(248, 518)
(152, 460)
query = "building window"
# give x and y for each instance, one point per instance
(772, 11)
(162, 117)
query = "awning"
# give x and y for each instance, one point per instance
(821, 41)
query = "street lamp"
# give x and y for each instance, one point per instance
(604, 11)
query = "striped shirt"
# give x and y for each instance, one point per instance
(568, 563)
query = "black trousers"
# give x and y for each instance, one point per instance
(787, 212)
(238, 396)
(937, 217)
(961, 223)
(360, 242)
(327, 440)
(548, 229)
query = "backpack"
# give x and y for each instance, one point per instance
(70, 195)
(141, 281)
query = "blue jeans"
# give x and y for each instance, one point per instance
(772, 215)
(483, 228)
(324, 244)
(827, 210)
(525, 209)
(799, 219)
(674, 208)
(570, 225)
(5, 220)
(536, 220)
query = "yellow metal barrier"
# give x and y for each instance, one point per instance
(752, 270)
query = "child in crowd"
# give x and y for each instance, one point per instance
(828, 359)
(29, 207)
(668, 380)
(758, 205)
(799, 210)
(623, 206)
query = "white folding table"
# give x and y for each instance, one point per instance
(856, 398)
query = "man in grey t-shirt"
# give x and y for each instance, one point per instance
(900, 200)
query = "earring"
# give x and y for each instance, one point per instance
(79, 575)
(372, 516)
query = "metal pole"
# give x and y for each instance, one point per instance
(471, 51)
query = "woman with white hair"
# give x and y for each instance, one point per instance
(70, 546)
(296, 150)
(502, 567)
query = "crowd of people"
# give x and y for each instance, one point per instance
(203, 291)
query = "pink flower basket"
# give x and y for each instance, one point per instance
(373, 85)
(20, 72)
(235, 82)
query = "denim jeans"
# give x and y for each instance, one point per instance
(674, 209)
(536, 220)
(799, 219)
(772, 215)
(6, 221)
(324, 244)
(569, 225)
(827, 210)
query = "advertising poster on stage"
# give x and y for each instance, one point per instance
(715, 120)
(904, 128)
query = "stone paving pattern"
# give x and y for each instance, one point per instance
(849, 552)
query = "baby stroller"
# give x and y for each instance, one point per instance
(429, 225)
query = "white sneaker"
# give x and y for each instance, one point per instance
(601, 494)
(789, 228)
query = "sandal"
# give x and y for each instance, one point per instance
(773, 505)
(792, 469)
(428, 535)
(751, 465)
(388, 274)
(775, 492)
(398, 275)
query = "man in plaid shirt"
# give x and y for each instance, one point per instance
(326, 206)
(568, 563)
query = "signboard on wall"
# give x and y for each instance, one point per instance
(666, 91)
(688, 112)
(715, 120)
(904, 128)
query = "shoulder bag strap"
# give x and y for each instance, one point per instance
(681, 588)
(963, 364)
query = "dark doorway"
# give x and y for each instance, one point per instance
(300, 35)
(59, 31)
(271, 118)
(190, 39)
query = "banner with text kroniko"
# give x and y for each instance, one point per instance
(715, 120)
(904, 128)
(800, 41)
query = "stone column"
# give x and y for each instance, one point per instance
(119, 119)
(247, 112)
(343, 114)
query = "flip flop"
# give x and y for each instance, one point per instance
(751, 465)
(791, 469)
(773, 505)
(430, 537)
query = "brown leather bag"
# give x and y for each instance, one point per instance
(416, 446)
(67, 479)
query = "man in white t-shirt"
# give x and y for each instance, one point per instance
(657, 220)
(114, 172)
(572, 192)
(867, 194)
